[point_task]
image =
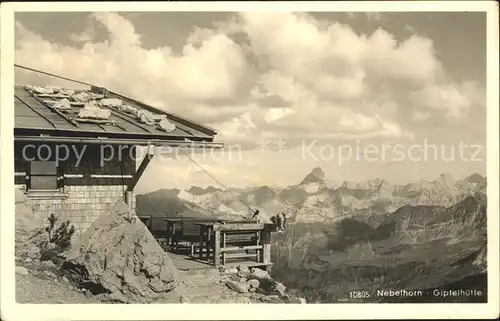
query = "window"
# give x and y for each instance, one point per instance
(44, 176)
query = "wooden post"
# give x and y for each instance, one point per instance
(201, 242)
(259, 242)
(173, 224)
(142, 167)
(209, 241)
(135, 178)
(223, 246)
(169, 233)
(128, 200)
(266, 244)
(217, 248)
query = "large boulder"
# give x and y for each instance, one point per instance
(118, 255)
(30, 233)
(267, 284)
(240, 287)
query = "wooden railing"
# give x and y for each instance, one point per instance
(219, 241)
(236, 240)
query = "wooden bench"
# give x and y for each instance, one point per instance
(238, 240)
(146, 220)
(159, 229)
(238, 245)
(156, 226)
(189, 231)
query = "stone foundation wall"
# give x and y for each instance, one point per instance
(83, 205)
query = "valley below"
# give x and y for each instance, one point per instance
(360, 242)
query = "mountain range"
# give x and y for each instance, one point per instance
(314, 199)
(370, 234)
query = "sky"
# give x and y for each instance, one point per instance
(397, 96)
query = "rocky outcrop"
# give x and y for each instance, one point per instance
(261, 285)
(119, 256)
(29, 233)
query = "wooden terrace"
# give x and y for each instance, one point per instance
(203, 243)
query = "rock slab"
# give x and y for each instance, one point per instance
(237, 286)
(30, 233)
(118, 255)
(21, 270)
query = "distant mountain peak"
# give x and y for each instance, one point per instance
(446, 179)
(264, 188)
(196, 190)
(474, 178)
(318, 171)
(166, 192)
(349, 185)
(212, 189)
(445, 176)
(317, 175)
(263, 194)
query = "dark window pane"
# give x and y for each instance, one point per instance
(20, 166)
(44, 182)
(20, 180)
(46, 168)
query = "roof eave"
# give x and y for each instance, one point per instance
(118, 141)
(22, 132)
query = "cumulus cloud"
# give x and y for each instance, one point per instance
(267, 74)
(84, 36)
(370, 16)
(212, 70)
(377, 16)
(419, 116)
(275, 114)
(453, 100)
(410, 29)
(119, 29)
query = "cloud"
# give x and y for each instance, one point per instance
(413, 60)
(239, 128)
(213, 70)
(370, 16)
(275, 114)
(81, 37)
(376, 16)
(351, 15)
(419, 116)
(453, 100)
(120, 30)
(267, 74)
(410, 29)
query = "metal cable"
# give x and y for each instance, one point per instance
(215, 179)
(52, 75)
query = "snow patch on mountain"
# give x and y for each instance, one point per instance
(311, 188)
(318, 198)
